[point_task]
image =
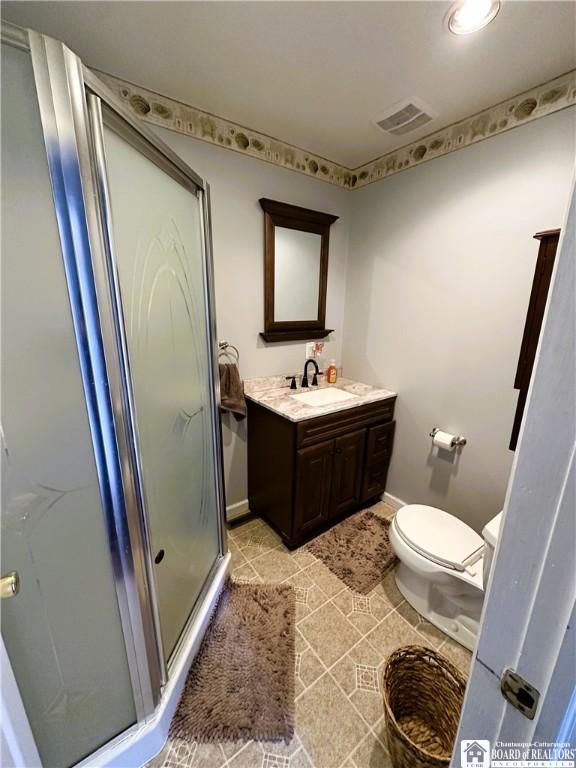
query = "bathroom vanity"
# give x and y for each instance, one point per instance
(316, 456)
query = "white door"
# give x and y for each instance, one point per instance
(528, 619)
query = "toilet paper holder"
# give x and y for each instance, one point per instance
(456, 440)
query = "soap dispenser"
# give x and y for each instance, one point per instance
(332, 372)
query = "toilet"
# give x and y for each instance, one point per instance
(444, 567)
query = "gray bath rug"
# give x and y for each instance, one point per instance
(241, 684)
(357, 550)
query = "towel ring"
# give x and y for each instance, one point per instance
(224, 348)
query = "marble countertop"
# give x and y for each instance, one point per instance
(274, 393)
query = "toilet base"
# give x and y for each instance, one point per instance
(452, 609)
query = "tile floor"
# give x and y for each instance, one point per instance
(342, 642)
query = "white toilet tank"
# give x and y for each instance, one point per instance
(490, 534)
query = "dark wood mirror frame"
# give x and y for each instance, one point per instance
(303, 219)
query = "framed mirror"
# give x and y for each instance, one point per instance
(296, 243)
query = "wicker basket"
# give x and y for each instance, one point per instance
(423, 694)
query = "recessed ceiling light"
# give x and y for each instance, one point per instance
(468, 16)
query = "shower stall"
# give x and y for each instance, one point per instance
(113, 539)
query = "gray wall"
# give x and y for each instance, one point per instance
(430, 302)
(440, 270)
(236, 184)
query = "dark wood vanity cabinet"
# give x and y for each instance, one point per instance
(304, 476)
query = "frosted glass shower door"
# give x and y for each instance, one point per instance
(62, 630)
(158, 244)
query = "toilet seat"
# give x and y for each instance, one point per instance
(438, 536)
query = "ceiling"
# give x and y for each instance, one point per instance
(315, 74)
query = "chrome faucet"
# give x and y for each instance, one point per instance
(317, 373)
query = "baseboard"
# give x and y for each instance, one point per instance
(393, 501)
(241, 509)
(238, 510)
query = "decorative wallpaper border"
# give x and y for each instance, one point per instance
(542, 100)
(168, 113)
(160, 110)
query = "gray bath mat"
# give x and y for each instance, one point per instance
(357, 550)
(241, 684)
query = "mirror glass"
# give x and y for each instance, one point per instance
(296, 274)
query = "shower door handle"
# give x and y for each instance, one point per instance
(9, 585)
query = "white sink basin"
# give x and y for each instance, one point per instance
(325, 396)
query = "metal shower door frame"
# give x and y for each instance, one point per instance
(104, 109)
(72, 102)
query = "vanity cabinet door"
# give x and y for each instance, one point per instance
(378, 454)
(347, 471)
(314, 471)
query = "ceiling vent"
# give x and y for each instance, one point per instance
(404, 117)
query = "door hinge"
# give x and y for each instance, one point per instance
(519, 693)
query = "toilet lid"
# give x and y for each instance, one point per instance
(437, 535)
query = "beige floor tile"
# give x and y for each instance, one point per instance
(457, 654)
(259, 534)
(379, 608)
(251, 756)
(363, 611)
(309, 596)
(180, 754)
(231, 748)
(302, 611)
(392, 633)
(236, 557)
(429, 631)
(300, 645)
(371, 754)
(358, 674)
(358, 669)
(232, 546)
(299, 688)
(280, 748)
(253, 551)
(299, 760)
(326, 580)
(303, 557)
(275, 566)
(183, 754)
(310, 668)
(208, 756)
(356, 609)
(245, 573)
(369, 704)
(344, 673)
(335, 709)
(379, 731)
(257, 541)
(329, 633)
(388, 591)
(327, 724)
(308, 665)
(240, 529)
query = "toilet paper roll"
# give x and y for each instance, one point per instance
(444, 440)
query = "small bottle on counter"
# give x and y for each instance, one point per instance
(332, 372)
